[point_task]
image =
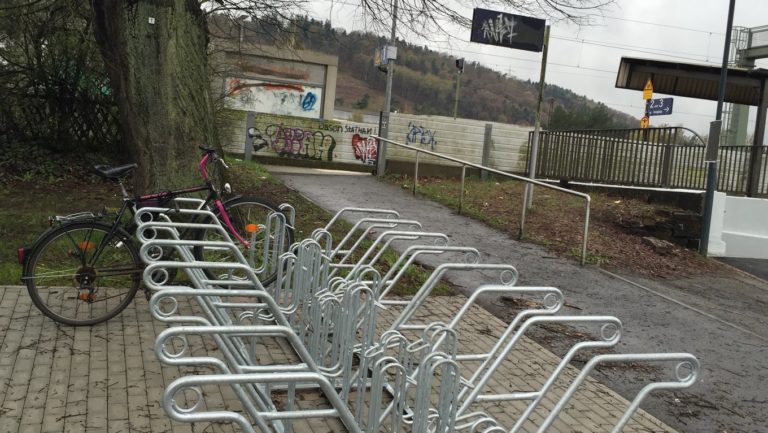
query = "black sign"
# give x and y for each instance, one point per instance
(507, 30)
(659, 107)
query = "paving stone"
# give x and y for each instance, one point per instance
(107, 378)
(30, 428)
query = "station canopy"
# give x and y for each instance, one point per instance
(744, 86)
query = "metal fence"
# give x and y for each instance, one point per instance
(529, 182)
(655, 157)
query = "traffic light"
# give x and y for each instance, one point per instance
(460, 65)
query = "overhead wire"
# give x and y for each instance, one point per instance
(690, 29)
(684, 55)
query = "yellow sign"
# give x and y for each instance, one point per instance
(648, 90)
(644, 122)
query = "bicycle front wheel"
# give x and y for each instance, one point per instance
(246, 214)
(79, 274)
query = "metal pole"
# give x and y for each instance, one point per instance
(586, 233)
(521, 233)
(528, 198)
(709, 196)
(458, 87)
(416, 173)
(506, 174)
(241, 23)
(384, 131)
(461, 193)
(250, 124)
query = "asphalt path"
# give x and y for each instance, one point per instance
(756, 267)
(720, 320)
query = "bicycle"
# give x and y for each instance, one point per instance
(96, 254)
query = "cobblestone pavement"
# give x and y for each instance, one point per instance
(106, 378)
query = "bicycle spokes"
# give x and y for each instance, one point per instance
(83, 274)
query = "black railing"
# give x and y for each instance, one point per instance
(654, 157)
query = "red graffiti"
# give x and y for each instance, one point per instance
(272, 86)
(235, 86)
(366, 149)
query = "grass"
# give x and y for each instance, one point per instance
(616, 228)
(248, 177)
(28, 204)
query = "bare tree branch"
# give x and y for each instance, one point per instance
(426, 19)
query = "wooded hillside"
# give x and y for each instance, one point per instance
(424, 83)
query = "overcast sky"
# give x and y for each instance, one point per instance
(585, 59)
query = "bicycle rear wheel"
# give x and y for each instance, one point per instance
(78, 274)
(251, 212)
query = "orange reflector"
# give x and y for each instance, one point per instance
(251, 228)
(86, 245)
(90, 297)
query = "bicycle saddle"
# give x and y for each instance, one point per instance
(114, 172)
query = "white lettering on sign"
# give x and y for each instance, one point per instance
(498, 29)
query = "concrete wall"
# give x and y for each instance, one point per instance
(347, 142)
(739, 227)
(294, 138)
(459, 138)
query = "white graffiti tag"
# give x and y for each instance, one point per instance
(498, 29)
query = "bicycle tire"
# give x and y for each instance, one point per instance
(245, 210)
(68, 289)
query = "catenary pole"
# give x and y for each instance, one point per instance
(528, 200)
(382, 153)
(713, 142)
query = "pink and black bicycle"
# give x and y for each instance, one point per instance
(85, 269)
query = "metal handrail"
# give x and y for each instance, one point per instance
(465, 164)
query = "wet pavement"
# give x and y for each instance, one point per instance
(756, 267)
(720, 320)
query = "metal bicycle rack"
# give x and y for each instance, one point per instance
(323, 316)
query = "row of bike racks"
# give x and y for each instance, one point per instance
(323, 317)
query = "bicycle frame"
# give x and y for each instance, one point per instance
(213, 196)
(132, 204)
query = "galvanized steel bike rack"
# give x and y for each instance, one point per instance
(371, 380)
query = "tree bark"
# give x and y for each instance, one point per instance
(155, 52)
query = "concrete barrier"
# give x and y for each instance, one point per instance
(739, 227)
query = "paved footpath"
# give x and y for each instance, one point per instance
(721, 320)
(106, 378)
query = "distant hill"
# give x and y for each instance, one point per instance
(424, 82)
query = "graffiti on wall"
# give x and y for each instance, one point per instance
(365, 149)
(293, 142)
(275, 98)
(308, 103)
(417, 134)
(319, 140)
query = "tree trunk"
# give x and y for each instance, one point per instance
(155, 54)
